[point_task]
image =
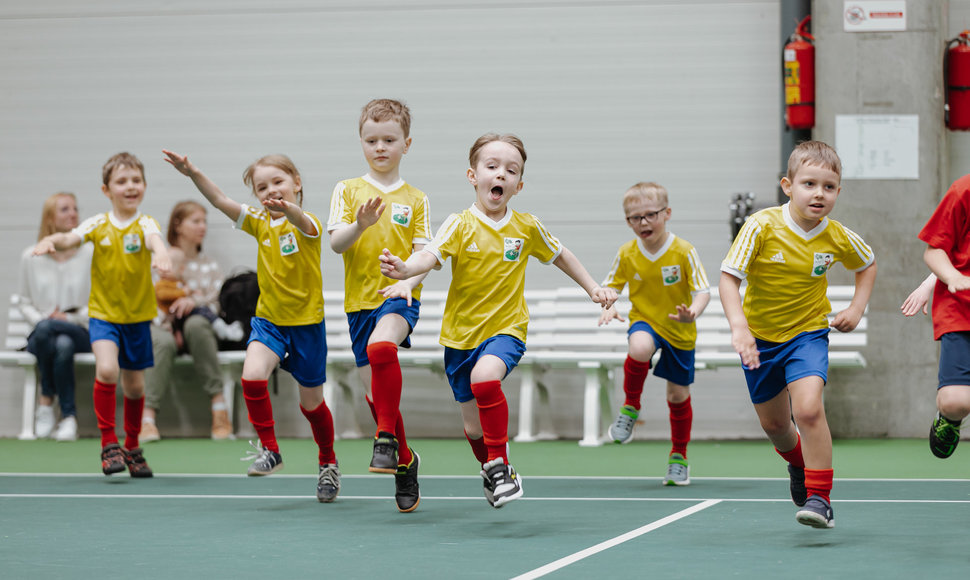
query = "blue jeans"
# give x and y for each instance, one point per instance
(54, 343)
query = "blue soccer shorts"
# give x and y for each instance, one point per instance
(302, 350)
(674, 365)
(954, 359)
(134, 342)
(363, 322)
(785, 362)
(459, 363)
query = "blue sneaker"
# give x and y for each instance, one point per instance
(816, 513)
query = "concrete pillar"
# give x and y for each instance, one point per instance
(886, 73)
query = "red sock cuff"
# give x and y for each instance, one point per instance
(632, 365)
(795, 455)
(488, 393)
(679, 409)
(819, 482)
(382, 353)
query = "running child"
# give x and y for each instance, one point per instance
(127, 245)
(669, 290)
(486, 318)
(380, 210)
(288, 328)
(947, 234)
(781, 329)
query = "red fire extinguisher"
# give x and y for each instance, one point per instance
(799, 56)
(956, 71)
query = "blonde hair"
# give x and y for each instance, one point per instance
(123, 159)
(813, 153)
(279, 161)
(380, 110)
(47, 213)
(646, 190)
(487, 138)
(181, 211)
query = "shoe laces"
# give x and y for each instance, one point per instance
(946, 430)
(329, 475)
(260, 454)
(625, 422)
(676, 471)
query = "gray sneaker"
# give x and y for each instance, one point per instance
(621, 431)
(678, 472)
(816, 513)
(264, 461)
(328, 483)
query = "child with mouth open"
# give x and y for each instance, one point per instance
(486, 318)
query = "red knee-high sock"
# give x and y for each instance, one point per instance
(104, 410)
(634, 374)
(493, 412)
(681, 418)
(373, 410)
(260, 410)
(133, 412)
(321, 423)
(795, 455)
(386, 385)
(478, 448)
(818, 482)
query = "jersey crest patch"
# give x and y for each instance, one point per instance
(513, 249)
(132, 243)
(288, 244)
(821, 265)
(670, 274)
(401, 214)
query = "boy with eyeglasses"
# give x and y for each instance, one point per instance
(668, 291)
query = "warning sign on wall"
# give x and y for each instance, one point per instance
(874, 15)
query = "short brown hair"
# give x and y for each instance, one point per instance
(279, 161)
(646, 190)
(814, 153)
(181, 211)
(487, 138)
(47, 213)
(123, 159)
(380, 110)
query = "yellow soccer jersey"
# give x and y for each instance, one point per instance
(121, 268)
(658, 284)
(786, 269)
(406, 221)
(288, 268)
(488, 260)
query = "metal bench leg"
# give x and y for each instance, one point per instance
(30, 402)
(527, 396)
(591, 405)
(229, 394)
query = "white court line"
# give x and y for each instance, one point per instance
(573, 558)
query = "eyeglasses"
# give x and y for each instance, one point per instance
(649, 216)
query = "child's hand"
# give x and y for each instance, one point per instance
(959, 284)
(744, 344)
(180, 162)
(918, 300)
(684, 314)
(162, 263)
(608, 314)
(183, 306)
(281, 205)
(392, 266)
(847, 320)
(44, 246)
(605, 296)
(397, 290)
(370, 212)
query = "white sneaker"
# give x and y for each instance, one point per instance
(66, 429)
(233, 332)
(45, 421)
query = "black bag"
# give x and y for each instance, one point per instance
(237, 300)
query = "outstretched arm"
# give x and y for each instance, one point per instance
(210, 190)
(687, 314)
(367, 215)
(160, 258)
(742, 340)
(417, 264)
(294, 214)
(570, 264)
(941, 265)
(919, 299)
(404, 288)
(848, 319)
(57, 242)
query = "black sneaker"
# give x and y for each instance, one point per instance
(264, 461)
(384, 459)
(328, 483)
(406, 492)
(816, 513)
(944, 437)
(488, 489)
(137, 466)
(505, 482)
(796, 476)
(112, 459)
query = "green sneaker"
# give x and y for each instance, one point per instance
(621, 431)
(944, 437)
(678, 472)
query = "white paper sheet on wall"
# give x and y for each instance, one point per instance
(878, 146)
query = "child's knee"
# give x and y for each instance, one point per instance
(953, 401)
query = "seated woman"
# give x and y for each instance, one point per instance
(187, 321)
(53, 298)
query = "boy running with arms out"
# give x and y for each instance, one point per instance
(486, 318)
(781, 329)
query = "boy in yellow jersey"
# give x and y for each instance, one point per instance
(486, 318)
(127, 244)
(288, 328)
(669, 290)
(781, 329)
(380, 210)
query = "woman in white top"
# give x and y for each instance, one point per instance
(53, 298)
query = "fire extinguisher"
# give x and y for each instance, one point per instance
(956, 72)
(799, 57)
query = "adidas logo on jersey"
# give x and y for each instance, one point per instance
(778, 258)
(636, 276)
(472, 248)
(267, 243)
(105, 242)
